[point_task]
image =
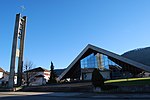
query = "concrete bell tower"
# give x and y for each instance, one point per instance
(18, 38)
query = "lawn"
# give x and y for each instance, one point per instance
(129, 81)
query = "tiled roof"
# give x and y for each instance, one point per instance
(1, 70)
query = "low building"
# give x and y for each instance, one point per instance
(4, 77)
(37, 76)
(1, 73)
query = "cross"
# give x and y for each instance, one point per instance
(22, 8)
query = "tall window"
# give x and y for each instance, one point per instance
(93, 61)
(89, 62)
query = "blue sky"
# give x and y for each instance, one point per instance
(58, 30)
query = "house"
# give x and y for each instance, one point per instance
(37, 76)
(4, 77)
(1, 73)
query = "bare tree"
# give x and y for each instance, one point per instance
(27, 67)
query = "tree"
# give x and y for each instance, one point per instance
(52, 78)
(97, 79)
(27, 67)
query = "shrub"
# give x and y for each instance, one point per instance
(52, 81)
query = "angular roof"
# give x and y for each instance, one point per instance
(93, 49)
(39, 69)
(1, 70)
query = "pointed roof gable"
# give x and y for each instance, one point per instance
(93, 49)
(1, 70)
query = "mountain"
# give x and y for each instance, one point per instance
(141, 55)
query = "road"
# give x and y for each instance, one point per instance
(68, 96)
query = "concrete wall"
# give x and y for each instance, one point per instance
(105, 74)
(88, 76)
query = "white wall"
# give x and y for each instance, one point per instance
(47, 76)
(1, 74)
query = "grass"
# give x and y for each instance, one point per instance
(129, 81)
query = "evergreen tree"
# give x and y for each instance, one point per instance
(52, 78)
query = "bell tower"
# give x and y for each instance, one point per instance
(17, 50)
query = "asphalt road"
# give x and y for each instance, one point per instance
(68, 96)
(55, 98)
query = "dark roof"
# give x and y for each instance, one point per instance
(6, 73)
(39, 69)
(59, 71)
